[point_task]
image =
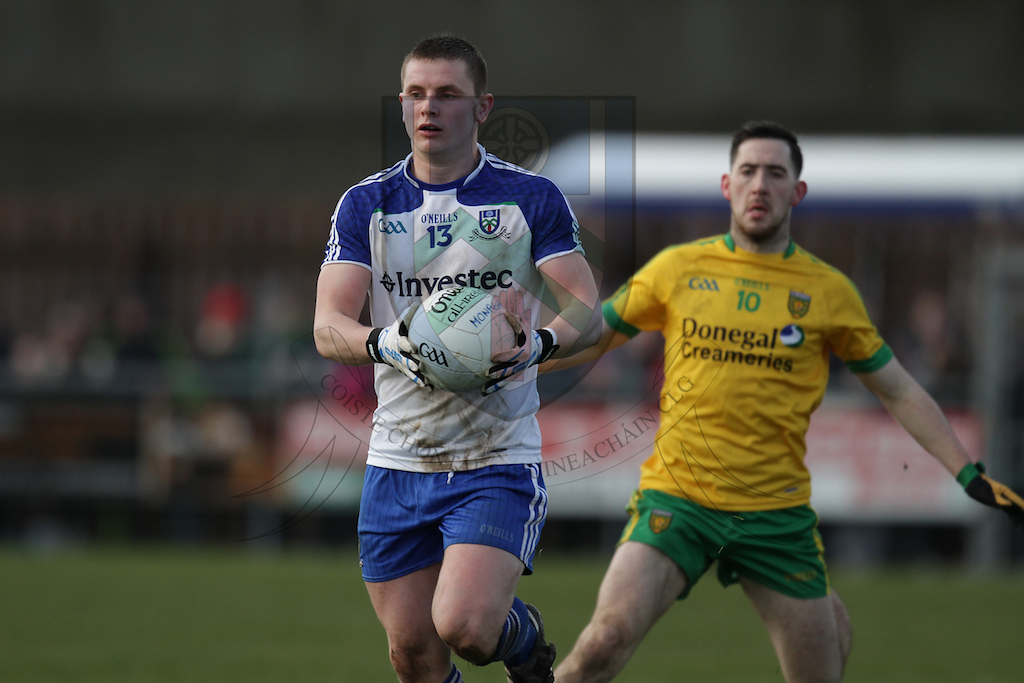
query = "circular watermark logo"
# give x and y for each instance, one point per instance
(517, 136)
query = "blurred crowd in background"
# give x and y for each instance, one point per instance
(151, 357)
(175, 298)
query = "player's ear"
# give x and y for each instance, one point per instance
(726, 190)
(484, 106)
(799, 192)
(401, 105)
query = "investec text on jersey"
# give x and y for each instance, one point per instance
(488, 279)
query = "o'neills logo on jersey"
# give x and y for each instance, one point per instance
(425, 286)
(749, 342)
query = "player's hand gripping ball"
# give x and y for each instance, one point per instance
(391, 345)
(516, 345)
(450, 332)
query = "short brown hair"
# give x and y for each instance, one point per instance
(771, 130)
(452, 49)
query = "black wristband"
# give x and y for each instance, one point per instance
(548, 345)
(371, 345)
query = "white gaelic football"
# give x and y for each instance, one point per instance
(451, 331)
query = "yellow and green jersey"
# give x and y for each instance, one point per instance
(747, 341)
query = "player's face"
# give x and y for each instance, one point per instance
(762, 188)
(441, 111)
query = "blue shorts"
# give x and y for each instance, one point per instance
(407, 519)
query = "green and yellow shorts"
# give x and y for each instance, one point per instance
(779, 549)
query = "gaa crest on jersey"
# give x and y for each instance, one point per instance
(391, 227)
(799, 304)
(490, 226)
(660, 520)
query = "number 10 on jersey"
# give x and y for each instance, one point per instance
(749, 301)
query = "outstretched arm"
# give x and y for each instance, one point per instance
(921, 416)
(610, 339)
(918, 412)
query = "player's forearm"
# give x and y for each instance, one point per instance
(605, 343)
(577, 327)
(578, 323)
(923, 419)
(341, 339)
(920, 415)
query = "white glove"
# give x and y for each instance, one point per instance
(391, 345)
(517, 346)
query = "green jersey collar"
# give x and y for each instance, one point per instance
(731, 246)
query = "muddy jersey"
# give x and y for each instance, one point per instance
(747, 343)
(491, 229)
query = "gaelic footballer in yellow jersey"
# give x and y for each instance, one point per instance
(746, 363)
(749, 321)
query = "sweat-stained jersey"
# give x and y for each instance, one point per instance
(747, 342)
(491, 230)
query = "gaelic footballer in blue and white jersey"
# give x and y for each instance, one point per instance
(491, 230)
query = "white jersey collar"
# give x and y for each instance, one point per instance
(461, 182)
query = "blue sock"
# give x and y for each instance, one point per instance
(517, 637)
(454, 677)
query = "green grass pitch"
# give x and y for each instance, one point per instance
(162, 615)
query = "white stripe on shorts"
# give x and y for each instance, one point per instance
(538, 510)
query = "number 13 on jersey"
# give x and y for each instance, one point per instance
(439, 235)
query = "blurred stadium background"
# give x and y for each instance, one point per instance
(167, 174)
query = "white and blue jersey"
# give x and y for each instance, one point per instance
(491, 230)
